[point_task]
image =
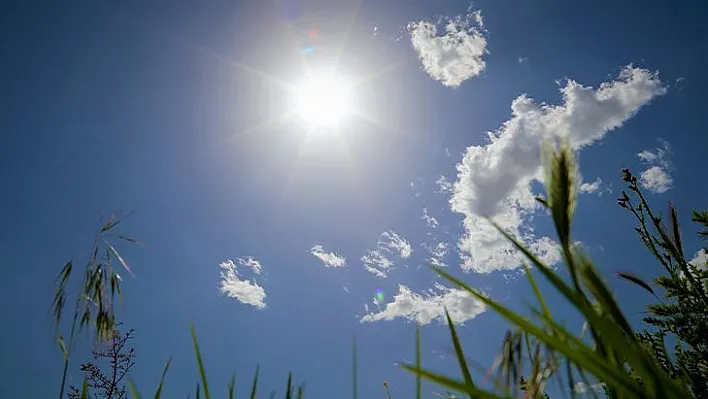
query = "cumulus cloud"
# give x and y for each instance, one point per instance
(430, 306)
(429, 220)
(700, 259)
(591, 187)
(330, 259)
(244, 291)
(455, 55)
(495, 179)
(656, 177)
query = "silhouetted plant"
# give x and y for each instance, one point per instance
(683, 313)
(93, 303)
(114, 356)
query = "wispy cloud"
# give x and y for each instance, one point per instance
(330, 259)
(456, 55)
(376, 263)
(429, 220)
(656, 177)
(246, 292)
(444, 185)
(393, 242)
(437, 253)
(425, 308)
(495, 179)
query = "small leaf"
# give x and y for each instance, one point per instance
(120, 259)
(636, 280)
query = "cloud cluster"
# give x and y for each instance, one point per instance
(330, 259)
(589, 188)
(246, 292)
(425, 308)
(456, 55)
(378, 262)
(430, 221)
(437, 253)
(656, 177)
(495, 179)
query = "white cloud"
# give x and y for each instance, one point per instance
(495, 179)
(444, 185)
(700, 259)
(246, 292)
(429, 220)
(582, 388)
(425, 308)
(393, 242)
(591, 187)
(376, 263)
(330, 259)
(656, 177)
(437, 253)
(456, 55)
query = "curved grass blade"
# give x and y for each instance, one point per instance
(232, 386)
(354, 369)
(458, 351)
(158, 392)
(254, 387)
(418, 388)
(451, 384)
(133, 389)
(289, 387)
(200, 363)
(120, 258)
(84, 389)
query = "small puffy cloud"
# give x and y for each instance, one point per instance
(444, 185)
(455, 55)
(656, 177)
(244, 291)
(591, 187)
(376, 263)
(250, 262)
(437, 253)
(495, 179)
(429, 220)
(394, 243)
(430, 306)
(330, 259)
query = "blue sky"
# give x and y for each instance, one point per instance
(181, 114)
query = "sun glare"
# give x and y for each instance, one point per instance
(323, 100)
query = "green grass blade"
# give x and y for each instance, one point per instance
(158, 392)
(418, 388)
(232, 386)
(254, 387)
(537, 293)
(451, 384)
(458, 351)
(200, 363)
(133, 389)
(300, 392)
(197, 395)
(289, 387)
(585, 358)
(85, 389)
(354, 369)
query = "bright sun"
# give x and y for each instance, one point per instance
(323, 100)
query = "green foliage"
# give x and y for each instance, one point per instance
(684, 315)
(93, 303)
(538, 348)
